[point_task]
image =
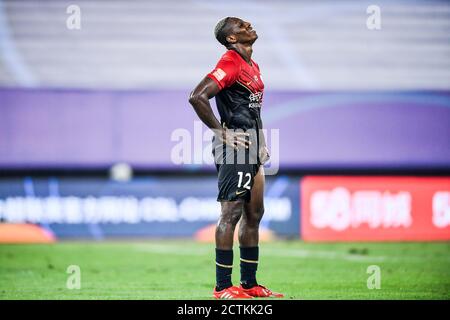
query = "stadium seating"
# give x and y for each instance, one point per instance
(304, 45)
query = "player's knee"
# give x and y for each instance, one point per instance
(254, 217)
(231, 214)
(235, 215)
(258, 214)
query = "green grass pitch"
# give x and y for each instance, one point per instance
(176, 269)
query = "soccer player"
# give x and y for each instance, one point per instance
(238, 88)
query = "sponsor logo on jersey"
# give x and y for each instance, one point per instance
(255, 100)
(219, 74)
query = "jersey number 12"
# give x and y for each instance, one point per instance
(241, 176)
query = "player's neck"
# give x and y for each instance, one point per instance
(245, 51)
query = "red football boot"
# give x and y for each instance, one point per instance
(231, 293)
(259, 291)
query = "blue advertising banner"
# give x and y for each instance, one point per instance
(147, 206)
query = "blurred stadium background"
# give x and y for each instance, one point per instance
(89, 119)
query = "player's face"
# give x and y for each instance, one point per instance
(244, 32)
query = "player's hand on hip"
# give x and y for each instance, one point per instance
(234, 138)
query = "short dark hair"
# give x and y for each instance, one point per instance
(222, 30)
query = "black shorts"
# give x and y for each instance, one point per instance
(236, 172)
(236, 181)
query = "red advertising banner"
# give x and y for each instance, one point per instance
(375, 208)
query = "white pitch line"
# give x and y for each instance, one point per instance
(301, 253)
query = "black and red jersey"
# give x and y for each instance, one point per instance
(240, 98)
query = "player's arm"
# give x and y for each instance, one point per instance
(264, 154)
(199, 99)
